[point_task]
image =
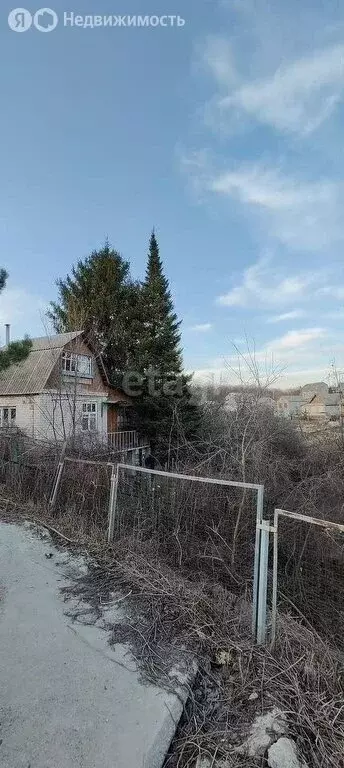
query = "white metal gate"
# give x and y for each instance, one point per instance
(261, 533)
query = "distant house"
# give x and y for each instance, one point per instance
(317, 388)
(294, 406)
(325, 406)
(314, 402)
(62, 389)
(289, 406)
(236, 400)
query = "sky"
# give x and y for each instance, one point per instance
(225, 134)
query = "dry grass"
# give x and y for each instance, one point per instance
(170, 615)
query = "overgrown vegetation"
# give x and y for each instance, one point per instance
(182, 556)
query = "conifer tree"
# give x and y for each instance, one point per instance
(17, 350)
(164, 407)
(100, 298)
(160, 339)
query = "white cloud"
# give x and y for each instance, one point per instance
(201, 327)
(217, 55)
(295, 98)
(269, 189)
(334, 291)
(296, 339)
(303, 215)
(289, 377)
(294, 314)
(261, 285)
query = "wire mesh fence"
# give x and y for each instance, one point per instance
(200, 524)
(309, 573)
(84, 491)
(27, 467)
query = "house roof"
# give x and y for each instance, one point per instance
(30, 376)
(316, 386)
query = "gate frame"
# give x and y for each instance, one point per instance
(261, 538)
(326, 524)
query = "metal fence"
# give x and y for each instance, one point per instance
(82, 489)
(210, 525)
(308, 573)
(27, 466)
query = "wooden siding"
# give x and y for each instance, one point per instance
(59, 380)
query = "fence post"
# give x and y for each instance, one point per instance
(113, 501)
(274, 581)
(58, 475)
(259, 518)
(263, 581)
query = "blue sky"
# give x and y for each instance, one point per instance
(225, 134)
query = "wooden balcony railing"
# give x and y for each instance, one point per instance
(123, 441)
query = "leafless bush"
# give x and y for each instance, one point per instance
(84, 492)
(27, 467)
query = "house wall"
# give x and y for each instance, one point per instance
(60, 411)
(50, 416)
(319, 409)
(58, 380)
(26, 407)
(288, 406)
(315, 409)
(61, 403)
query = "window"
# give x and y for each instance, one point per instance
(89, 417)
(8, 417)
(80, 364)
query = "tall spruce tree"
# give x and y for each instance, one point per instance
(164, 407)
(17, 350)
(160, 339)
(100, 298)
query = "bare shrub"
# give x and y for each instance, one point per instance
(27, 467)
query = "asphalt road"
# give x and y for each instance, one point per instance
(67, 700)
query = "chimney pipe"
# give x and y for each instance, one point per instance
(7, 326)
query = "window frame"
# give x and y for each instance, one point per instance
(89, 413)
(11, 420)
(70, 364)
